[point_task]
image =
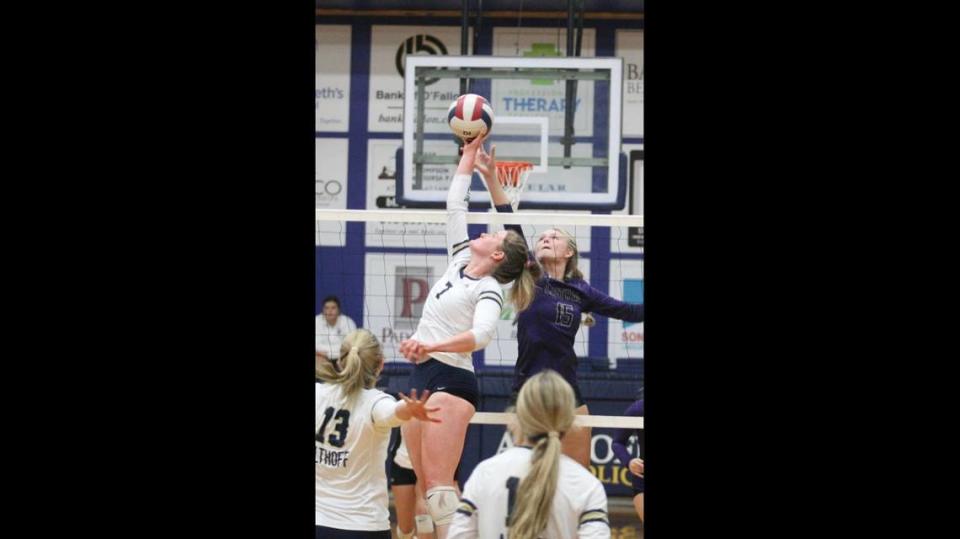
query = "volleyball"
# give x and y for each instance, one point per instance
(470, 116)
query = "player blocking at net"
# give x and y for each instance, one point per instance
(547, 330)
(459, 317)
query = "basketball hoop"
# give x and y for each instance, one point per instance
(513, 177)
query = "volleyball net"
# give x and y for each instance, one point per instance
(386, 261)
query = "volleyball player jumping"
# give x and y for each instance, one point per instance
(459, 317)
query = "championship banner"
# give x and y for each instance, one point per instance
(332, 98)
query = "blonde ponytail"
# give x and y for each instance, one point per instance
(360, 360)
(545, 410)
(521, 295)
(516, 267)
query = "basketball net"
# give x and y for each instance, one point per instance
(513, 177)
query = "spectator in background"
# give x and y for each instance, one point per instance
(331, 327)
(619, 445)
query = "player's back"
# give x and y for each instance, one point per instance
(579, 506)
(351, 484)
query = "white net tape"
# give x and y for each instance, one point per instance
(599, 421)
(440, 216)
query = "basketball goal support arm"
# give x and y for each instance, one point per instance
(571, 93)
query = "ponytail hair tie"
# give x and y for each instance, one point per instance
(354, 349)
(552, 434)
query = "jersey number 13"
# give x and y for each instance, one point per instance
(339, 434)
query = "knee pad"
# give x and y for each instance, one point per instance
(424, 524)
(404, 535)
(442, 503)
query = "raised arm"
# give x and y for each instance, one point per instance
(486, 164)
(458, 198)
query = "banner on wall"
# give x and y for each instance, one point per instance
(635, 233)
(629, 45)
(629, 240)
(615, 477)
(389, 48)
(381, 194)
(330, 171)
(395, 291)
(382, 173)
(626, 284)
(332, 58)
(533, 97)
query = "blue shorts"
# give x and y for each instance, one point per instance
(400, 476)
(322, 532)
(637, 484)
(440, 377)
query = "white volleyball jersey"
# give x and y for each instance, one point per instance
(458, 302)
(351, 449)
(579, 507)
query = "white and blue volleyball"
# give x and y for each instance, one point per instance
(470, 116)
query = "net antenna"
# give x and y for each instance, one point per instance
(512, 176)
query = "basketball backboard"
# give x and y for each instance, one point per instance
(529, 95)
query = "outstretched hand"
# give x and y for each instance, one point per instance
(486, 163)
(469, 154)
(475, 144)
(418, 407)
